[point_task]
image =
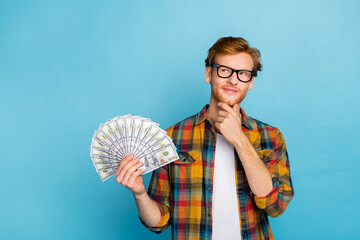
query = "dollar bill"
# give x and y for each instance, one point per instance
(160, 157)
(124, 135)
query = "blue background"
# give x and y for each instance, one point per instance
(67, 66)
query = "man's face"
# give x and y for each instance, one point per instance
(229, 90)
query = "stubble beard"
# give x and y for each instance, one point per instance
(221, 97)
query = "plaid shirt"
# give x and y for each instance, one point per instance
(183, 189)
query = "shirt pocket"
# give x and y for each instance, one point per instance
(188, 157)
(187, 172)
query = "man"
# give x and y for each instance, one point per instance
(233, 170)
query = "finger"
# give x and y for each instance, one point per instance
(225, 107)
(236, 107)
(123, 170)
(126, 167)
(222, 113)
(220, 119)
(129, 172)
(123, 162)
(134, 176)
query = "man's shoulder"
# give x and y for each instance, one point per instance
(185, 124)
(269, 135)
(187, 133)
(261, 126)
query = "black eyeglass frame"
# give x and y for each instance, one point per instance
(217, 66)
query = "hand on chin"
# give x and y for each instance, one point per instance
(228, 121)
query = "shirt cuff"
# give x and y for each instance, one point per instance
(270, 198)
(164, 219)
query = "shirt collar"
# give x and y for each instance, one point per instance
(245, 120)
(202, 116)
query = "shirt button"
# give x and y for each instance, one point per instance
(242, 219)
(209, 189)
(209, 214)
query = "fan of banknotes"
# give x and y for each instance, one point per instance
(124, 135)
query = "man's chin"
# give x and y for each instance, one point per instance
(228, 100)
(231, 103)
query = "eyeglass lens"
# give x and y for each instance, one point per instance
(225, 72)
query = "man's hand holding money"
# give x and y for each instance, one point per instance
(128, 175)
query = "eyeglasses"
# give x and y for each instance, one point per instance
(225, 72)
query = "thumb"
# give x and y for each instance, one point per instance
(236, 107)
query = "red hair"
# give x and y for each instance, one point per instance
(231, 45)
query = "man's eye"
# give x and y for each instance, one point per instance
(243, 73)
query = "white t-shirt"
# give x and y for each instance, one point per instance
(225, 210)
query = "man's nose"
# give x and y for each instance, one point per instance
(233, 79)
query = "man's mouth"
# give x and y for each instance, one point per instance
(230, 90)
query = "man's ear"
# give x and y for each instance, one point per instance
(251, 85)
(208, 74)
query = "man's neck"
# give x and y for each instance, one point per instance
(212, 111)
